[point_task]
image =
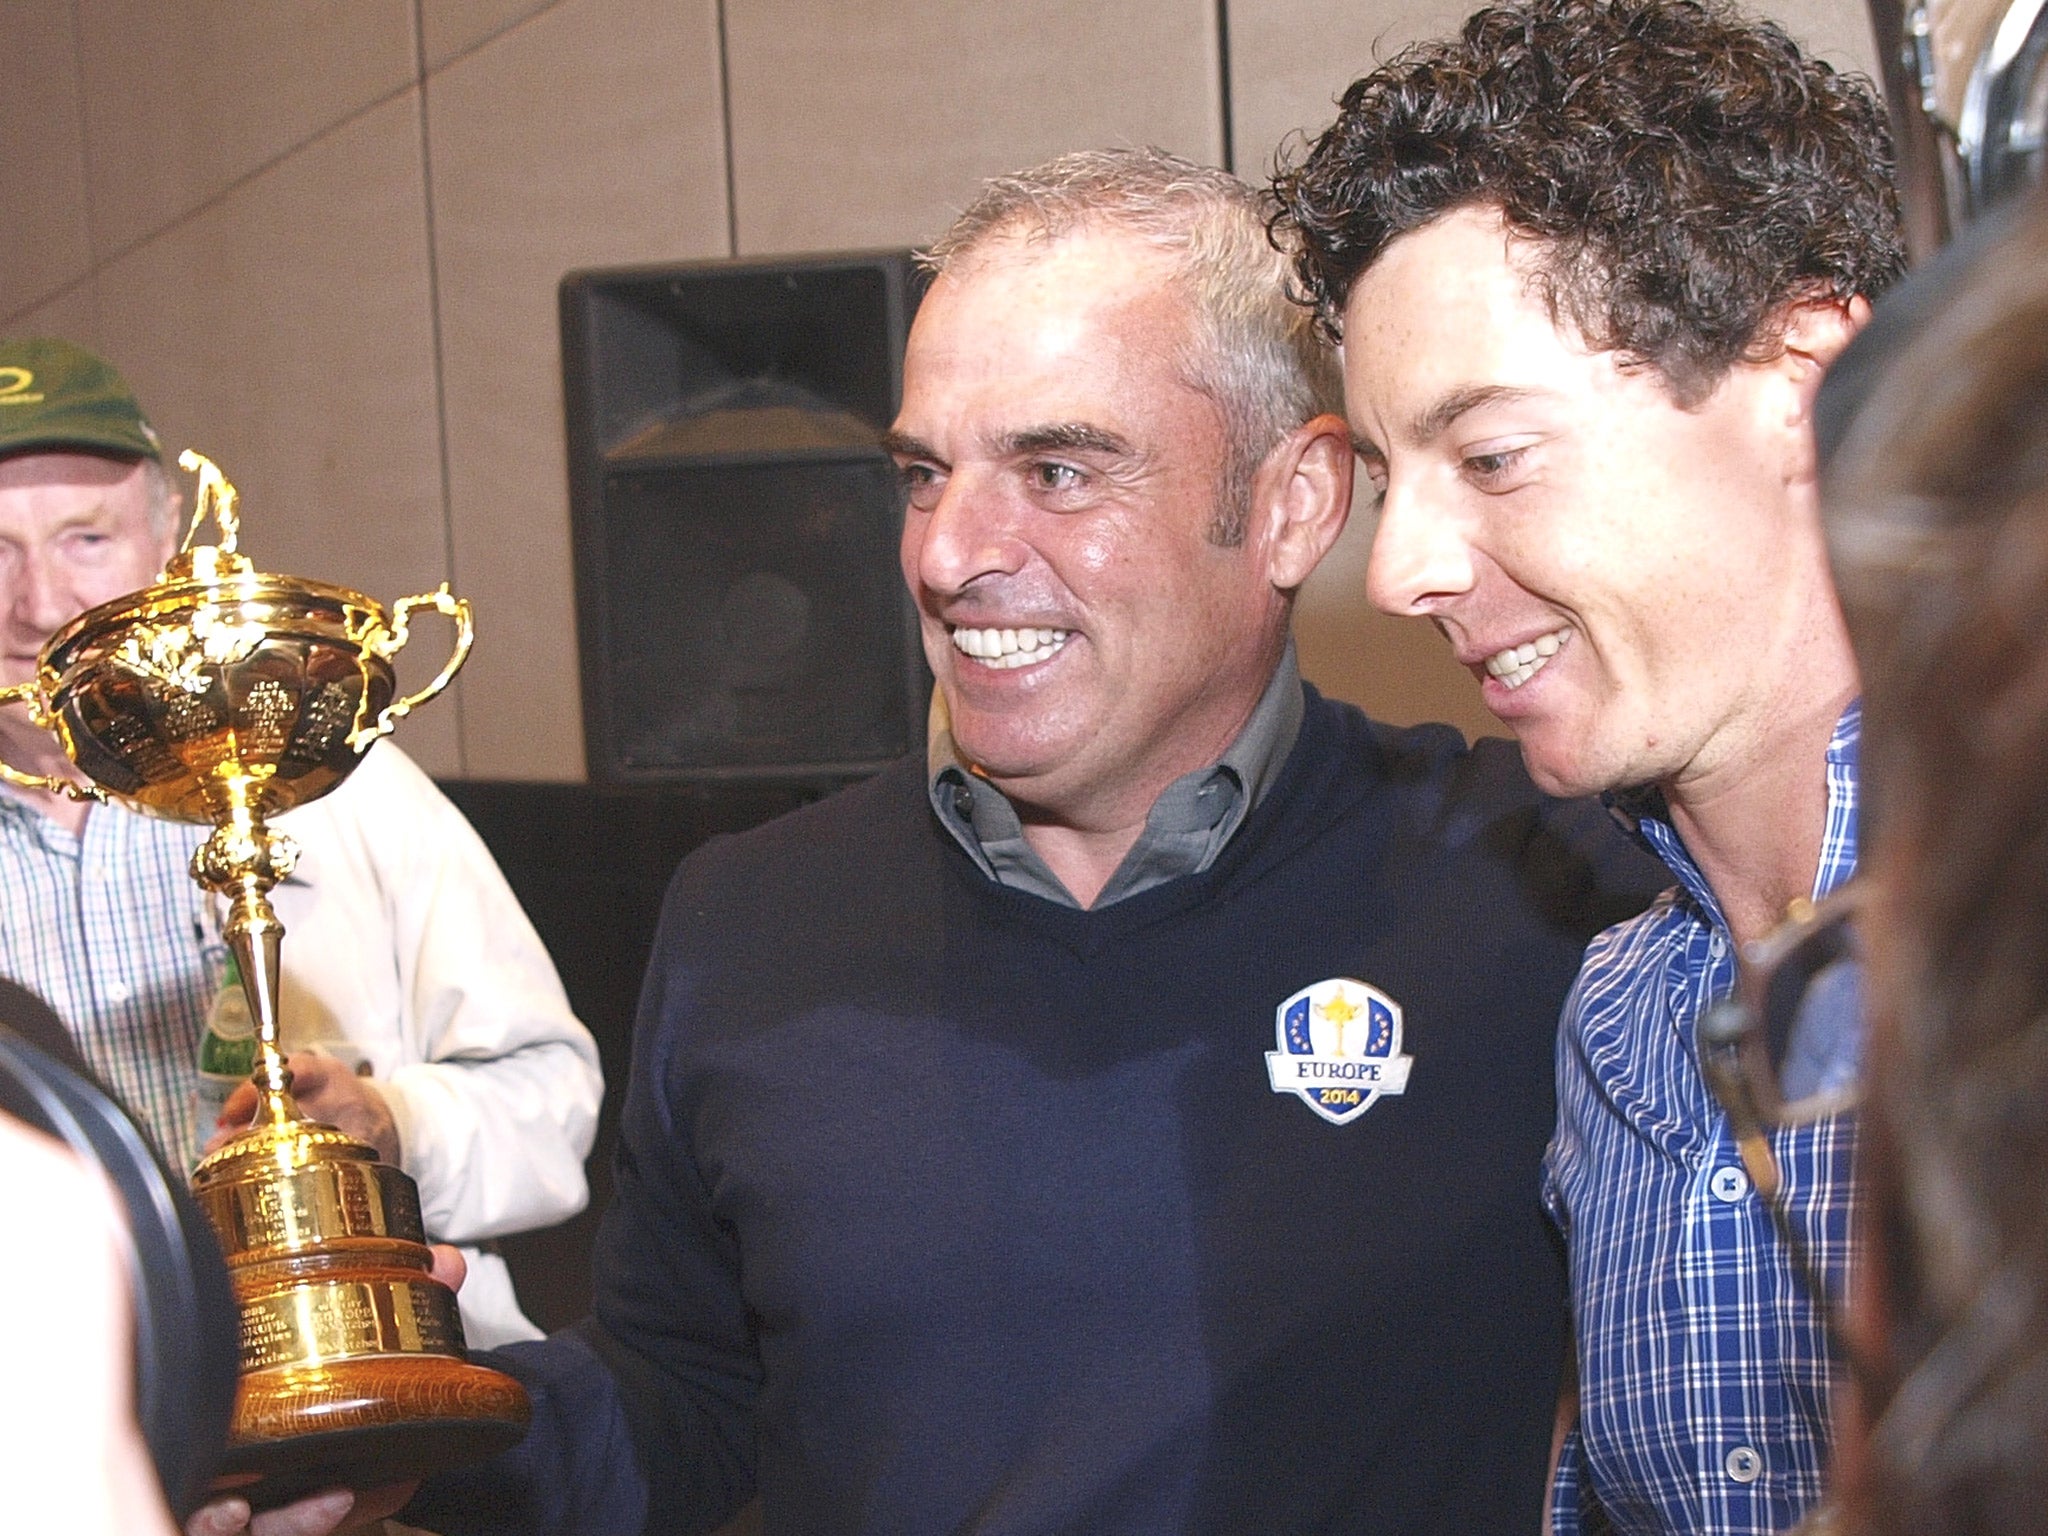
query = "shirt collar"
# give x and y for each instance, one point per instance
(1190, 823)
(1643, 811)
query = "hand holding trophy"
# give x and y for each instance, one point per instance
(225, 696)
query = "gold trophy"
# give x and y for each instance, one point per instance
(225, 696)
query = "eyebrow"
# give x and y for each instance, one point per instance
(1447, 410)
(95, 515)
(1054, 437)
(902, 445)
(1063, 437)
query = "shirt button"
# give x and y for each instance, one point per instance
(1729, 1184)
(1743, 1464)
(118, 992)
(1715, 945)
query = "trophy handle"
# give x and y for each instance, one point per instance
(30, 695)
(392, 640)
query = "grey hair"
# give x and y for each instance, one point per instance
(1254, 352)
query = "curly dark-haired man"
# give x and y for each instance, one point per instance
(1589, 261)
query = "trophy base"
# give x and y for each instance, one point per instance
(364, 1424)
(278, 1471)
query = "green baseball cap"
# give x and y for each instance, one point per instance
(56, 395)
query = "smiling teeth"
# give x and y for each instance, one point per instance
(1006, 648)
(1518, 663)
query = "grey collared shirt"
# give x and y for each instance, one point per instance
(1188, 826)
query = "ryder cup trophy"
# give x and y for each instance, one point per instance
(225, 696)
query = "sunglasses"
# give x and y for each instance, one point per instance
(1785, 1048)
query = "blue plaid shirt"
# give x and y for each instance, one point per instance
(1703, 1361)
(112, 931)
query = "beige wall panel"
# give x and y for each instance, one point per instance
(183, 98)
(286, 332)
(72, 315)
(627, 166)
(452, 27)
(1399, 670)
(1291, 59)
(871, 122)
(42, 168)
(1837, 30)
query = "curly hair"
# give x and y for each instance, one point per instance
(1680, 171)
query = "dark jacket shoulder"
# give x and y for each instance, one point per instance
(1574, 862)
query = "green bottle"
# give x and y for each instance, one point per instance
(227, 1051)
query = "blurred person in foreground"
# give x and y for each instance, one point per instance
(74, 1453)
(1590, 262)
(1938, 528)
(420, 1011)
(72, 1456)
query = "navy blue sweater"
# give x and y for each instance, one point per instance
(941, 1207)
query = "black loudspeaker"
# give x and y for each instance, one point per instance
(740, 608)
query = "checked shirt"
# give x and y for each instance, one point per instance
(112, 931)
(1703, 1361)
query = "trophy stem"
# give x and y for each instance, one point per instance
(241, 861)
(252, 930)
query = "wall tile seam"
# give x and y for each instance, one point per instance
(468, 50)
(422, 117)
(71, 286)
(87, 207)
(1225, 106)
(102, 259)
(732, 187)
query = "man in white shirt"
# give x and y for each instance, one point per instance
(420, 1009)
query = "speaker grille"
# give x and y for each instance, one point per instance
(755, 616)
(739, 604)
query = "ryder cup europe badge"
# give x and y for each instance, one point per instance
(1340, 1048)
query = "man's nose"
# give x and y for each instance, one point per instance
(968, 535)
(1421, 554)
(41, 600)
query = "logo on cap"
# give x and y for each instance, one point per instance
(14, 386)
(1340, 1048)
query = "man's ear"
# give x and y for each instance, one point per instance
(1301, 497)
(1816, 333)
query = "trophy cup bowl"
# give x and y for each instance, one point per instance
(224, 696)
